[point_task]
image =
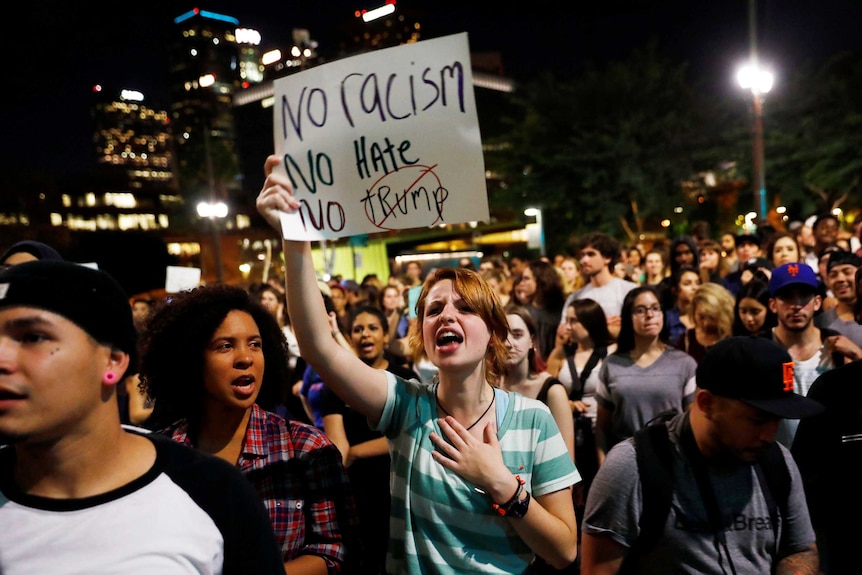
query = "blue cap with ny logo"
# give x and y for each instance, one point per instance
(793, 273)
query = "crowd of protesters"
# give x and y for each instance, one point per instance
(585, 349)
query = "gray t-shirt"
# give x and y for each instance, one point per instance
(609, 296)
(848, 328)
(614, 506)
(636, 394)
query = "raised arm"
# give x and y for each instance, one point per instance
(362, 387)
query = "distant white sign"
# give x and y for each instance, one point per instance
(180, 278)
(387, 140)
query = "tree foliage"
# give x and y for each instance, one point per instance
(607, 150)
(618, 147)
(814, 137)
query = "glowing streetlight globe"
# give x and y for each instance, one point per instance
(752, 77)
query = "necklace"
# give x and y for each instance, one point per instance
(472, 425)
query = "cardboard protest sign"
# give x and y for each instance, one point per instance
(387, 140)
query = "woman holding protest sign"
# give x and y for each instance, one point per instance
(471, 491)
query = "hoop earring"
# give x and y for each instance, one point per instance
(110, 377)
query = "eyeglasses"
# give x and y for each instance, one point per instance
(642, 310)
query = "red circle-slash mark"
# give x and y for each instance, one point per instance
(425, 171)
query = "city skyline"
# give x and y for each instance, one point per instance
(74, 47)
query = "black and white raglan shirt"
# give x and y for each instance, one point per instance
(191, 513)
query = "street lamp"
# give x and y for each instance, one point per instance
(539, 240)
(211, 209)
(759, 82)
(214, 211)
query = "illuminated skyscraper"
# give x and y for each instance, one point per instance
(205, 72)
(133, 184)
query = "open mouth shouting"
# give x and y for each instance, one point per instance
(366, 348)
(448, 340)
(244, 384)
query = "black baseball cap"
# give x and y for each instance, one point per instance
(748, 239)
(90, 298)
(843, 257)
(36, 249)
(756, 371)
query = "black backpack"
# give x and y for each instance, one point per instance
(654, 454)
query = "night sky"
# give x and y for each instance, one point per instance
(56, 50)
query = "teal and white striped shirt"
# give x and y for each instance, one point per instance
(439, 523)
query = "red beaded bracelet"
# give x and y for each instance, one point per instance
(504, 508)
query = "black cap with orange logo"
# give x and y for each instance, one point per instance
(756, 371)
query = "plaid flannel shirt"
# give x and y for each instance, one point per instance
(298, 473)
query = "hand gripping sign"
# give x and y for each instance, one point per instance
(382, 141)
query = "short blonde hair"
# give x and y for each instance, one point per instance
(716, 300)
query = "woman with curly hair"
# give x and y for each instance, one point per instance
(215, 362)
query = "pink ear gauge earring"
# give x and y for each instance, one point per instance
(110, 377)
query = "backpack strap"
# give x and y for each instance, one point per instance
(598, 354)
(654, 455)
(577, 386)
(774, 478)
